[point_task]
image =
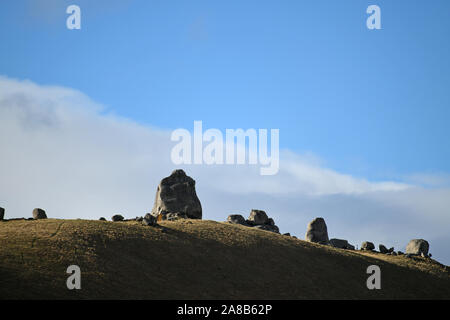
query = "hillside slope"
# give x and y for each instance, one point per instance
(194, 259)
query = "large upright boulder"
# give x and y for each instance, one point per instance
(418, 247)
(2, 214)
(317, 231)
(176, 194)
(38, 213)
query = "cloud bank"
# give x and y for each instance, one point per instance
(65, 153)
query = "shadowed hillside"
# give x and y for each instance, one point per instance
(195, 259)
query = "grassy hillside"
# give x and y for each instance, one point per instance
(196, 260)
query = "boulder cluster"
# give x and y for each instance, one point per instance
(257, 219)
(317, 232)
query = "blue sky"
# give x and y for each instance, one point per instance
(369, 103)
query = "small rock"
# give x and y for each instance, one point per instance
(400, 253)
(139, 219)
(175, 216)
(236, 219)
(117, 217)
(2, 213)
(38, 213)
(287, 234)
(367, 245)
(383, 249)
(149, 220)
(102, 219)
(391, 249)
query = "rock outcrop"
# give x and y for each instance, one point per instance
(257, 219)
(317, 231)
(418, 247)
(2, 213)
(176, 194)
(38, 213)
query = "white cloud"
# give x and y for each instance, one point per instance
(433, 180)
(63, 152)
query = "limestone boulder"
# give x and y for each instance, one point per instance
(38, 213)
(383, 249)
(176, 194)
(149, 220)
(368, 246)
(236, 219)
(258, 217)
(418, 247)
(317, 231)
(117, 217)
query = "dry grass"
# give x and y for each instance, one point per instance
(191, 259)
